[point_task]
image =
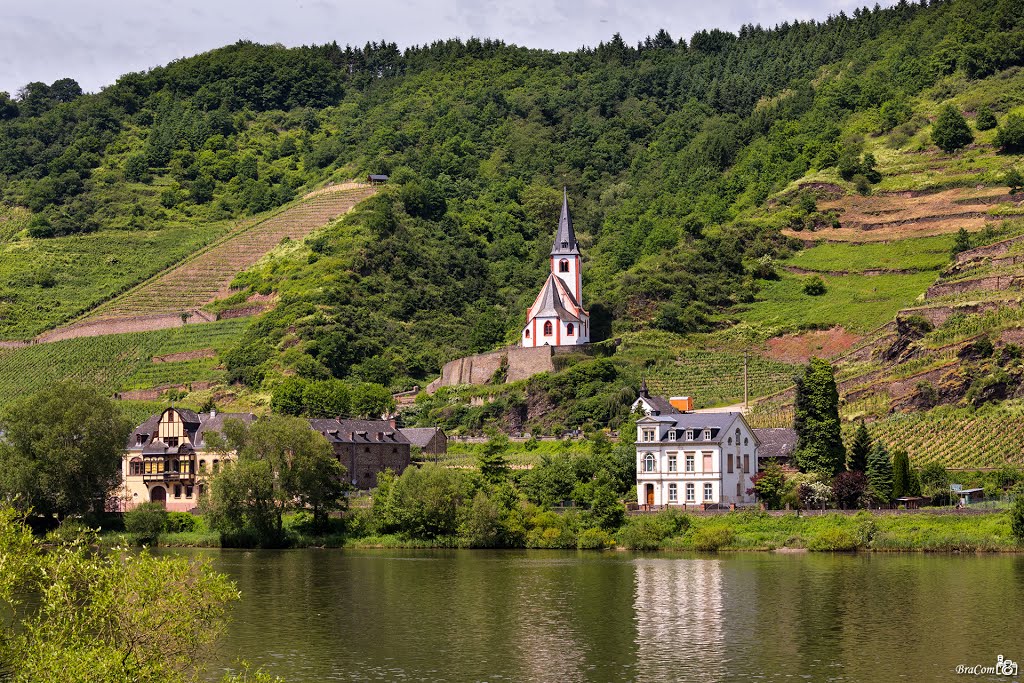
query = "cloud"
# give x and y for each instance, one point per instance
(95, 41)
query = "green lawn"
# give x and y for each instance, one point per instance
(857, 302)
(921, 254)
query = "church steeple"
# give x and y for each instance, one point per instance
(565, 238)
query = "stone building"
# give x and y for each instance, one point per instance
(430, 440)
(366, 447)
(167, 457)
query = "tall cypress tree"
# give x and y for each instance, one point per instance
(880, 475)
(860, 449)
(816, 419)
(901, 476)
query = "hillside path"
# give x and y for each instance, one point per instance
(177, 295)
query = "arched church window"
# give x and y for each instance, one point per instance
(570, 330)
(527, 334)
(563, 266)
(547, 329)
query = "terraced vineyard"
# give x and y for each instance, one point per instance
(716, 378)
(113, 362)
(202, 278)
(956, 437)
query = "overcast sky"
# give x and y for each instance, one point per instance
(95, 41)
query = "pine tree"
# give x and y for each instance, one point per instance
(860, 449)
(819, 438)
(951, 131)
(879, 475)
(491, 460)
(901, 476)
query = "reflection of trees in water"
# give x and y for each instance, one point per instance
(680, 620)
(572, 620)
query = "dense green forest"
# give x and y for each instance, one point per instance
(668, 149)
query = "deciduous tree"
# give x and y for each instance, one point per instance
(61, 453)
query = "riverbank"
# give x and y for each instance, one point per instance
(922, 531)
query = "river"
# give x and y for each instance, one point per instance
(332, 615)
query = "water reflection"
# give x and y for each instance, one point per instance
(680, 621)
(553, 616)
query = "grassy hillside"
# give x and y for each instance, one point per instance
(708, 180)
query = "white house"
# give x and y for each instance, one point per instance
(556, 317)
(695, 459)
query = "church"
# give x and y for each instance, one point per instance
(556, 317)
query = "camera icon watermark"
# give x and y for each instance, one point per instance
(1003, 667)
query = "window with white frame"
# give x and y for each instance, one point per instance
(709, 491)
(648, 435)
(673, 466)
(649, 462)
(690, 462)
(672, 435)
(673, 493)
(707, 435)
(690, 496)
(689, 435)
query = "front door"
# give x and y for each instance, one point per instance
(650, 494)
(158, 494)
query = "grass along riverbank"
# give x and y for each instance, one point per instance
(923, 531)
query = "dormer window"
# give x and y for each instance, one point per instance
(140, 439)
(689, 435)
(565, 244)
(707, 435)
(672, 435)
(648, 435)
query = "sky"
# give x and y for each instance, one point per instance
(96, 41)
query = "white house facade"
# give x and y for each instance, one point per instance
(694, 459)
(556, 317)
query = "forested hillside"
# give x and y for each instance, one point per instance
(678, 154)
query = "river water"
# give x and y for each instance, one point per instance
(332, 615)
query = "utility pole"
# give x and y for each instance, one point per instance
(745, 382)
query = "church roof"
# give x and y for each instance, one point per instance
(549, 301)
(565, 235)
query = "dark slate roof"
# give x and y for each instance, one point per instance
(195, 425)
(358, 431)
(661, 404)
(565, 232)
(378, 176)
(776, 443)
(698, 422)
(550, 300)
(215, 423)
(419, 436)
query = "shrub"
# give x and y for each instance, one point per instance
(1017, 518)
(1010, 136)
(951, 131)
(594, 539)
(985, 120)
(642, 532)
(834, 539)
(814, 286)
(711, 538)
(862, 184)
(147, 520)
(181, 523)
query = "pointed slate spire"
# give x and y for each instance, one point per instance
(565, 238)
(643, 388)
